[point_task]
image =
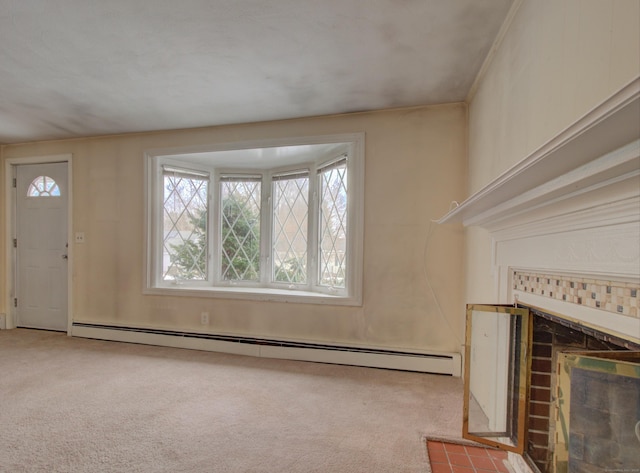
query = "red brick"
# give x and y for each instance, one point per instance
(461, 469)
(538, 438)
(477, 451)
(440, 468)
(483, 463)
(438, 457)
(542, 350)
(459, 459)
(539, 423)
(498, 455)
(454, 448)
(540, 394)
(435, 446)
(542, 365)
(541, 380)
(541, 409)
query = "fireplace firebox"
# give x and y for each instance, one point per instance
(554, 339)
(564, 395)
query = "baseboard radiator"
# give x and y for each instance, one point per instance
(436, 363)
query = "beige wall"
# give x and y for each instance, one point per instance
(558, 60)
(415, 165)
(3, 249)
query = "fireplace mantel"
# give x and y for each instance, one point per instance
(601, 149)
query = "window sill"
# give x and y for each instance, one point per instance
(256, 294)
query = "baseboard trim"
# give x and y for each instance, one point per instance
(436, 363)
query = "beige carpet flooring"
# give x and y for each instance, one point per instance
(75, 405)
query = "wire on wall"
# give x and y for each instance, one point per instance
(430, 231)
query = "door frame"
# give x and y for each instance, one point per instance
(11, 229)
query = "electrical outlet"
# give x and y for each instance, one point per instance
(204, 318)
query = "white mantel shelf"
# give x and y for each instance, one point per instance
(600, 149)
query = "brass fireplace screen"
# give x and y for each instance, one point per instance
(597, 401)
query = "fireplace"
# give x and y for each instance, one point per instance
(578, 301)
(561, 228)
(563, 395)
(553, 336)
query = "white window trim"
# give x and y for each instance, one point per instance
(352, 295)
(270, 226)
(154, 217)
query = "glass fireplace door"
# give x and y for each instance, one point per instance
(497, 364)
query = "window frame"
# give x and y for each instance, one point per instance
(327, 166)
(216, 226)
(46, 193)
(270, 275)
(157, 188)
(266, 289)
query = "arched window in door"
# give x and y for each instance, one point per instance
(43, 186)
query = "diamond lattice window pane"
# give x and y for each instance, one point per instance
(185, 233)
(290, 217)
(333, 225)
(240, 252)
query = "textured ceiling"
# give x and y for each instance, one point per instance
(72, 68)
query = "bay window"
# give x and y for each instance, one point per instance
(281, 221)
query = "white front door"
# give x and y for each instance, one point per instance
(41, 243)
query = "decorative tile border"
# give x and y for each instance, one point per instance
(612, 296)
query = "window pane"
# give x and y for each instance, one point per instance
(333, 225)
(240, 198)
(43, 186)
(290, 215)
(184, 226)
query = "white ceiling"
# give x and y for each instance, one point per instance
(72, 68)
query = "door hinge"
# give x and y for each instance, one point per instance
(15, 243)
(15, 182)
(15, 302)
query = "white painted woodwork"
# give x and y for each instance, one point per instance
(428, 362)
